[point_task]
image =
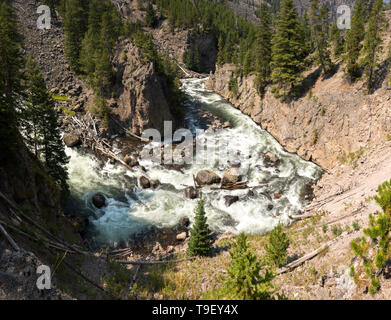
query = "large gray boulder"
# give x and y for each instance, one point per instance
(207, 177)
(71, 140)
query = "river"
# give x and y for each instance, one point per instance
(131, 210)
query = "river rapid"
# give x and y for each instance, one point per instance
(131, 210)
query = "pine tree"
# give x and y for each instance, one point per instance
(375, 253)
(11, 64)
(220, 54)
(319, 28)
(305, 29)
(276, 250)
(200, 242)
(287, 60)
(41, 115)
(103, 74)
(263, 49)
(353, 42)
(111, 27)
(245, 281)
(150, 18)
(337, 40)
(75, 26)
(372, 43)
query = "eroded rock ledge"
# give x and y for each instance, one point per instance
(336, 120)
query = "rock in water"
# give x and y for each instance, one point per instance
(271, 159)
(184, 222)
(71, 140)
(191, 193)
(207, 177)
(99, 200)
(130, 161)
(145, 183)
(232, 175)
(230, 200)
(155, 183)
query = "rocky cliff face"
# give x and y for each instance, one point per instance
(139, 99)
(337, 120)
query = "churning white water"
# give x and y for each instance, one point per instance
(131, 210)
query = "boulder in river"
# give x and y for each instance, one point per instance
(230, 200)
(184, 222)
(232, 175)
(99, 200)
(207, 177)
(130, 161)
(271, 159)
(191, 193)
(154, 183)
(145, 183)
(71, 140)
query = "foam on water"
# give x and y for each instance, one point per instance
(130, 210)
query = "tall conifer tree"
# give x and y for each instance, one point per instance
(263, 48)
(319, 26)
(11, 64)
(287, 60)
(353, 41)
(372, 42)
(42, 116)
(200, 241)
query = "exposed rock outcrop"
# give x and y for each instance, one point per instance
(139, 101)
(338, 119)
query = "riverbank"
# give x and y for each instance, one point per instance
(331, 121)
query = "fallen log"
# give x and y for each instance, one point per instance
(301, 216)
(139, 262)
(290, 266)
(9, 238)
(134, 277)
(129, 132)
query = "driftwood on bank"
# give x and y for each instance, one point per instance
(9, 238)
(145, 262)
(294, 264)
(128, 132)
(133, 280)
(52, 240)
(86, 130)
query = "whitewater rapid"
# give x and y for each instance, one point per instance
(131, 210)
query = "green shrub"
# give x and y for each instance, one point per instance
(276, 249)
(233, 86)
(200, 242)
(384, 195)
(378, 233)
(337, 230)
(356, 225)
(248, 278)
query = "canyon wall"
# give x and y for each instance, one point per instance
(334, 120)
